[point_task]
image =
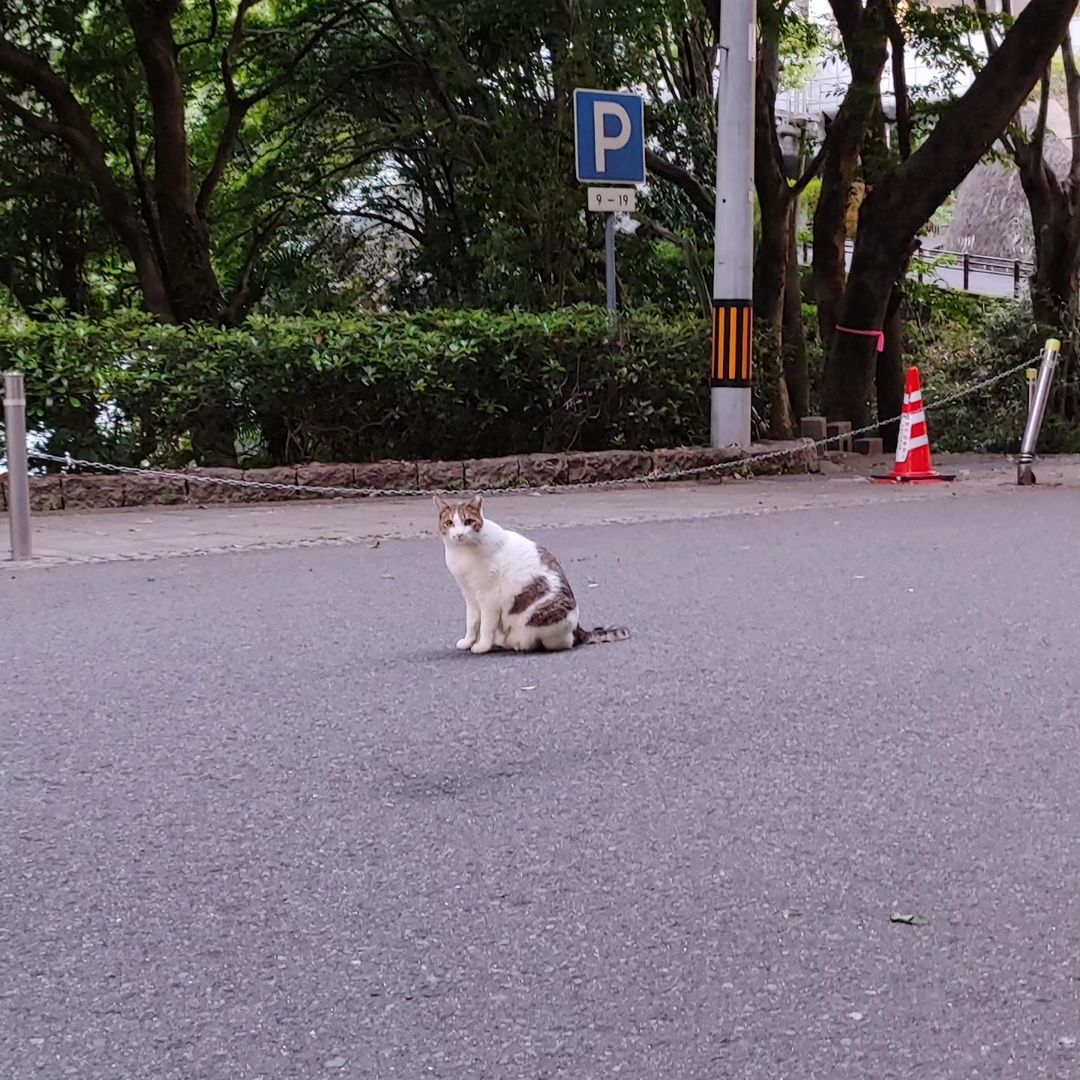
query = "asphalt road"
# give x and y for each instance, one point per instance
(259, 819)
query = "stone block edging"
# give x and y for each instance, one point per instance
(89, 491)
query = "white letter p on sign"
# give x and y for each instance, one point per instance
(602, 142)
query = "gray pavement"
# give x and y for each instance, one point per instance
(259, 819)
(155, 532)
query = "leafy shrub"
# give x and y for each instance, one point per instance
(958, 340)
(445, 384)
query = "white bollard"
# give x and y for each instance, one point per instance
(1024, 473)
(18, 488)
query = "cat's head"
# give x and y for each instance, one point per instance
(462, 522)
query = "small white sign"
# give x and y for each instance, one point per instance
(612, 200)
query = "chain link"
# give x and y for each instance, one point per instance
(654, 477)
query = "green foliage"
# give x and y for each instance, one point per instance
(442, 384)
(957, 340)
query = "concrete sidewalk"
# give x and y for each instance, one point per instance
(163, 532)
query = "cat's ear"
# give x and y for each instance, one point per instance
(440, 503)
(476, 503)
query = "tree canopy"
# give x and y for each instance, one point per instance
(208, 159)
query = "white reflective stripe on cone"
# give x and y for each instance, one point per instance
(918, 417)
(903, 439)
(919, 440)
(916, 395)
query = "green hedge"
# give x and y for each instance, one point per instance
(442, 384)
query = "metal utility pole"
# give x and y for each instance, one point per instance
(733, 265)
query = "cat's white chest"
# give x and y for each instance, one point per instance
(478, 573)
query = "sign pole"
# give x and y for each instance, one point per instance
(609, 252)
(609, 149)
(733, 258)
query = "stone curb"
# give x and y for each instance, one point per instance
(86, 491)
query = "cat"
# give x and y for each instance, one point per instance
(516, 594)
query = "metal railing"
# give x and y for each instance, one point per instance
(963, 263)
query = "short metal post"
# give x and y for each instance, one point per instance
(967, 272)
(1016, 280)
(1024, 473)
(1031, 374)
(18, 486)
(609, 251)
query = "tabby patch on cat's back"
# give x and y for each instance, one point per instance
(517, 596)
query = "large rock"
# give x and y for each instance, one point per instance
(280, 474)
(386, 475)
(441, 475)
(538, 470)
(202, 487)
(603, 466)
(794, 455)
(91, 492)
(150, 489)
(45, 494)
(486, 473)
(317, 475)
(681, 459)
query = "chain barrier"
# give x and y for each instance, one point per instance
(667, 476)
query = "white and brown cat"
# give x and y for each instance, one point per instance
(516, 594)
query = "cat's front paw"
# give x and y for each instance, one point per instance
(465, 643)
(481, 647)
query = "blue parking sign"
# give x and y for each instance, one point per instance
(609, 137)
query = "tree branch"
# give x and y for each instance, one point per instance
(968, 127)
(71, 125)
(12, 280)
(987, 27)
(813, 168)
(211, 37)
(1072, 93)
(900, 87)
(1038, 136)
(226, 146)
(142, 188)
(243, 294)
(690, 254)
(685, 181)
(848, 15)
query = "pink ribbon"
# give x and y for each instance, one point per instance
(866, 333)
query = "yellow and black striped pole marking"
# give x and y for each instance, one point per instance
(732, 342)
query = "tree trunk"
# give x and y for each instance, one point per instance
(890, 372)
(863, 32)
(905, 200)
(1055, 287)
(70, 124)
(796, 367)
(193, 286)
(777, 204)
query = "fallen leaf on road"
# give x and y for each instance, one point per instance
(375, 543)
(388, 577)
(530, 687)
(594, 584)
(908, 920)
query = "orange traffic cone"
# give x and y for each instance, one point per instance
(913, 444)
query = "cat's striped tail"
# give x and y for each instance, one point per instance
(602, 635)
